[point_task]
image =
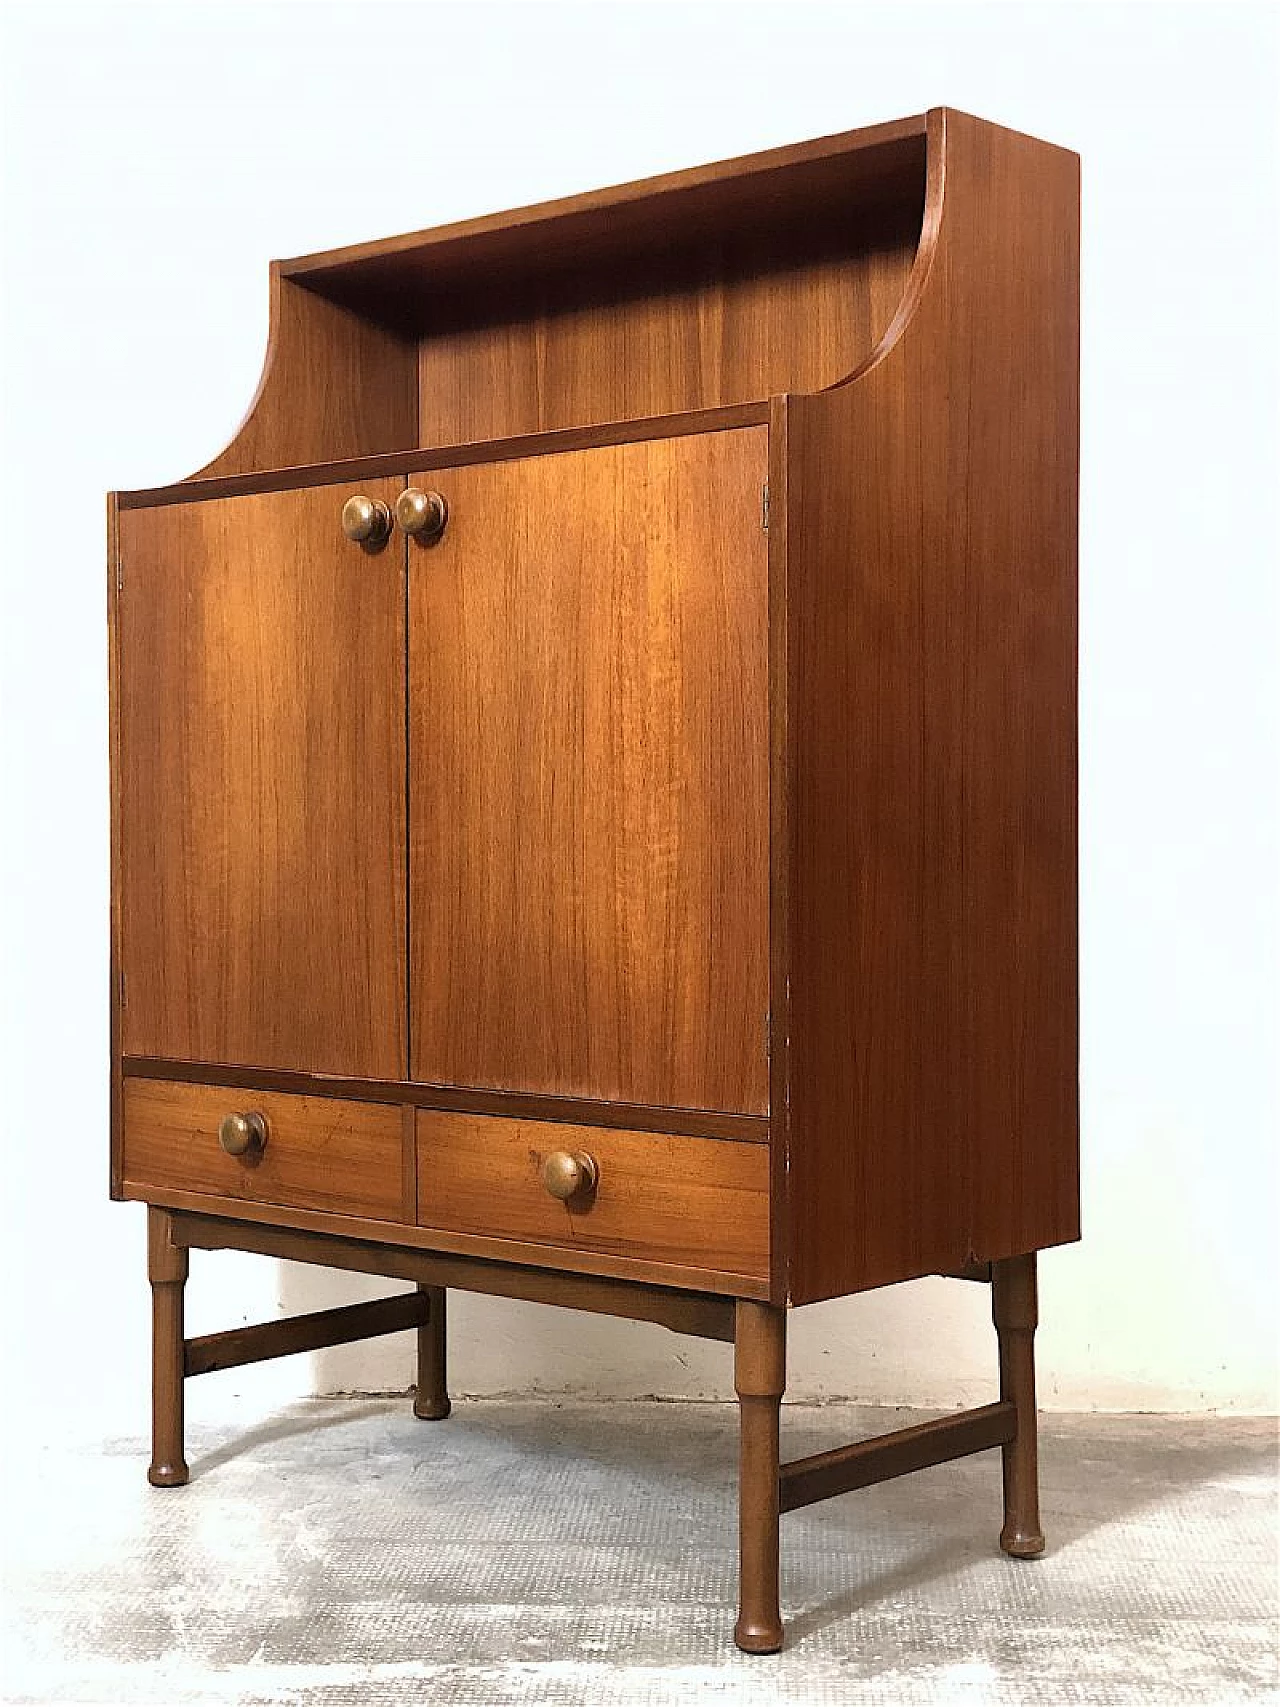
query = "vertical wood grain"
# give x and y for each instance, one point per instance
(931, 753)
(734, 323)
(262, 776)
(115, 1095)
(589, 787)
(333, 384)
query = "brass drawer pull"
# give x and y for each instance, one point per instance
(422, 515)
(243, 1134)
(567, 1176)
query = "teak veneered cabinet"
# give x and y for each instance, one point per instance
(594, 781)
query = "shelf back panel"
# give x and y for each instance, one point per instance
(726, 321)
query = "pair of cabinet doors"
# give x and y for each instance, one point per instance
(491, 812)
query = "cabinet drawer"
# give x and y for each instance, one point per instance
(699, 1202)
(320, 1152)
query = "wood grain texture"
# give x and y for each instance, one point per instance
(167, 1266)
(733, 281)
(320, 1153)
(589, 793)
(115, 1035)
(577, 1111)
(659, 1197)
(825, 1475)
(931, 754)
(358, 469)
(700, 1313)
(759, 1378)
(404, 280)
(729, 321)
(261, 775)
(473, 1247)
(334, 384)
(779, 861)
(319, 1329)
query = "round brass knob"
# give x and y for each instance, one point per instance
(242, 1134)
(367, 521)
(567, 1176)
(422, 515)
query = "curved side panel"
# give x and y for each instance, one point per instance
(922, 266)
(931, 765)
(333, 385)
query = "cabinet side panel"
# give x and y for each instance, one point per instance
(333, 385)
(932, 755)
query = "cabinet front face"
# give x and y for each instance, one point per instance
(262, 772)
(588, 799)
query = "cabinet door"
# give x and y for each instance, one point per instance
(588, 695)
(262, 785)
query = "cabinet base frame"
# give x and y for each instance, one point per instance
(767, 1487)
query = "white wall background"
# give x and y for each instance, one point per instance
(155, 158)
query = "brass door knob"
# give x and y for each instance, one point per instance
(367, 521)
(568, 1175)
(422, 515)
(243, 1134)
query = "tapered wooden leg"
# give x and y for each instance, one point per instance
(1014, 1311)
(167, 1271)
(760, 1375)
(431, 1401)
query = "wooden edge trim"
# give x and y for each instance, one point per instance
(312, 1332)
(926, 249)
(780, 772)
(456, 1099)
(381, 1235)
(275, 285)
(880, 1459)
(199, 489)
(613, 196)
(701, 1315)
(115, 829)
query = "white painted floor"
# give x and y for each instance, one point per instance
(549, 1552)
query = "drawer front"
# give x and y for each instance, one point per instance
(320, 1152)
(698, 1202)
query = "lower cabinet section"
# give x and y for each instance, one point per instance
(651, 1197)
(319, 1153)
(699, 1202)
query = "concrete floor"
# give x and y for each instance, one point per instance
(550, 1552)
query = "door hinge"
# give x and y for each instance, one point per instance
(119, 576)
(764, 506)
(122, 994)
(768, 1036)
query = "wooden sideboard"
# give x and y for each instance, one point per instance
(594, 778)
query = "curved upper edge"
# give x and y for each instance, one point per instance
(270, 354)
(236, 454)
(926, 249)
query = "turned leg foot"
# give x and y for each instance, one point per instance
(1014, 1311)
(431, 1400)
(167, 1272)
(759, 1376)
